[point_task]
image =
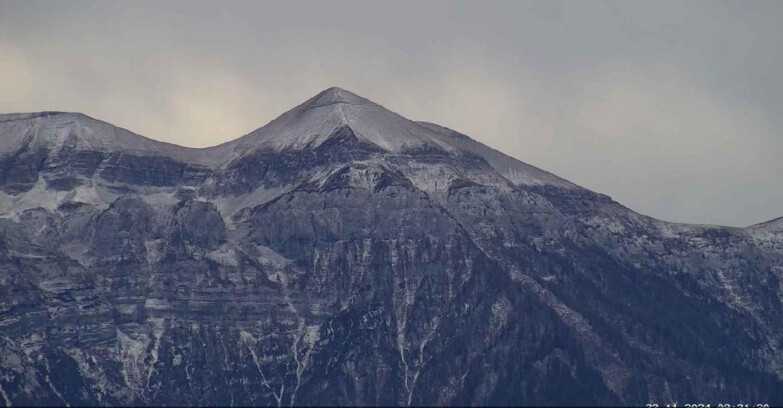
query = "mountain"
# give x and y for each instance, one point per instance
(344, 255)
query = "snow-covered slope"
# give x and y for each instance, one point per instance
(775, 225)
(769, 234)
(516, 171)
(55, 131)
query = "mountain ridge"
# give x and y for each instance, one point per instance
(277, 135)
(343, 255)
(270, 137)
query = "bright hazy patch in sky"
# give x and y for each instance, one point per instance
(673, 109)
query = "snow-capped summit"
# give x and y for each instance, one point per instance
(313, 122)
(335, 95)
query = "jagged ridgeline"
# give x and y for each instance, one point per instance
(344, 255)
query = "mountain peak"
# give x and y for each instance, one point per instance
(313, 122)
(336, 95)
(320, 118)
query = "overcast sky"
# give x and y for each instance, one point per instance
(672, 108)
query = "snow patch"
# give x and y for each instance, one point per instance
(224, 256)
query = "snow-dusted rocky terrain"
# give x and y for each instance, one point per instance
(344, 255)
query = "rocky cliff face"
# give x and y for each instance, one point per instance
(343, 255)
